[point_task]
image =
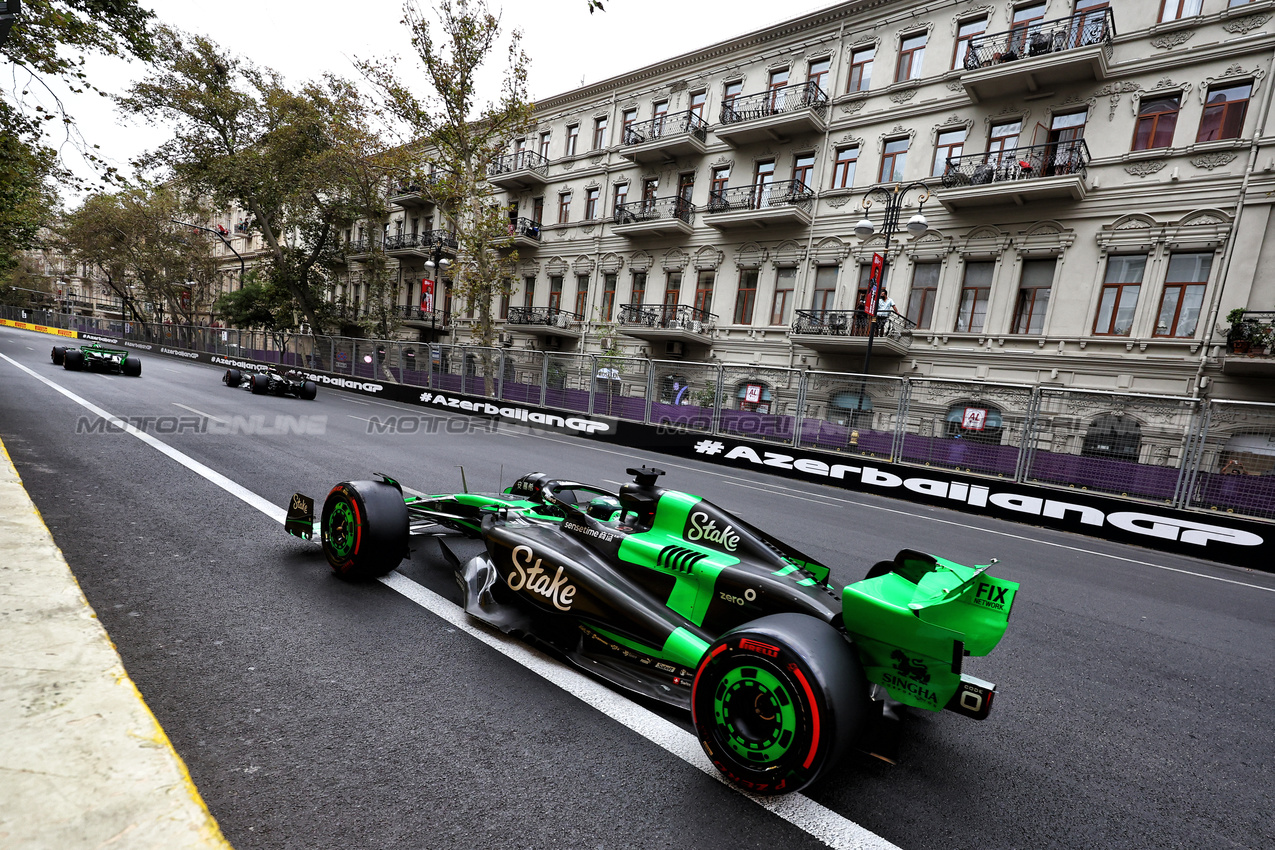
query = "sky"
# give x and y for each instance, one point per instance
(302, 39)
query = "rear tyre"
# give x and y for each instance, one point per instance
(131, 367)
(364, 527)
(260, 383)
(59, 351)
(309, 390)
(73, 360)
(776, 702)
(232, 378)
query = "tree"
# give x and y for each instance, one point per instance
(243, 137)
(459, 137)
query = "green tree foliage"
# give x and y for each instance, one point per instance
(243, 137)
(459, 135)
(256, 305)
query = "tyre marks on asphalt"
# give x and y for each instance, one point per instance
(799, 810)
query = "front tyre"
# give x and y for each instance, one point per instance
(309, 390)
(59, 351)
(364, 528)
(259, 383)
(777, 701)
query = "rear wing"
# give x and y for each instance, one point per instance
(914, 623)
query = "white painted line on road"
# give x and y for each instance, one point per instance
(352, 401)
(200, 413)
(823, 502)
(360, 418)
(799, 810)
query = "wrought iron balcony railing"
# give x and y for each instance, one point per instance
(525, 227)
(793, 98)
(655, 209)
(665, 126)
(521, 161)
(551, 316)
(1026, 163)
(415, 188)
(426, 240)
(849, 323)
(667, 316)
(361, 246)
(437, 318)
(1095, 26)
(762, 196)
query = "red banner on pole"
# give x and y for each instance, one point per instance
(427, 295)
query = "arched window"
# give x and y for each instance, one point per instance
(850, 408)
(1113, 436)
(754, 396)
(675, 389)
(974, 421)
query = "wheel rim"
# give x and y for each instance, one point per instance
(342, 529)
(755, 715)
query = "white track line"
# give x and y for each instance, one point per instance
(200, 412)
(799, 810)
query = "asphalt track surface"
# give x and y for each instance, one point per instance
(1136, 688)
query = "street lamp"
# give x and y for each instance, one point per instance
(224, 241)
(892, 197)
(437, 263)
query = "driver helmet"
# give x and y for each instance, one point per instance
(602, 507)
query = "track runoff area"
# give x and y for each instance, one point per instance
(818, 821)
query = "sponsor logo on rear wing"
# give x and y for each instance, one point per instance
(300, 519)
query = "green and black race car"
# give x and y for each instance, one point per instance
(666, 595)
(97, 358)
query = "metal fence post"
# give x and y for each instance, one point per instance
(901, 423)
(802, 377)
(650, 390)
(717, 401)
(1027, 447)
(1192, 454)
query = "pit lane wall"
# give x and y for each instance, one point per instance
(1214, 536)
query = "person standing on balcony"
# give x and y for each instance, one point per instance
(885, 304)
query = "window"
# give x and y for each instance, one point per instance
(865, 276)
(911, 53)
(621, 196)
(639, 288)
(861, 68)
(659, 112)
(1224, 111)
(951, 144)
(777, 84)
(825, 296)
(1157, 117)
(1065, 146)
(892, 160)
(555, 293)
(538, 210)
(843, 167)
(564, 208)
(817, 75)
(729, 94)
(803, 169)
(781, 305)
(650, 188)
(627, 119)
(720, 177)
(746, 297)
(698, 101)
(704, 290)
(608, 296)
(573, 134)
(925, 285)
(974, 294)
(544, 144)
(599, 133)
(582, 295)
(504, 306)
(1002, 140)
(528, 291)
(965, 31)
(1114, 436)
(1183, 294)
(672, 295)
(1033, 296)
(520, 153)
(1174, 10)
(591, 203)
(1024, 20)
(1119, 298)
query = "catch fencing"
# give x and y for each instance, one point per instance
(1208, 455)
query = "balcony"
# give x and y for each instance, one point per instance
(360, 249)
(762, 205)
(774, 115)
(1050, 172)
(846, 332)
(544, 322)
(1249, 345)
(410, 195)
(664, 139)
(422, 244)
(1032, 58)
(435, 320)
(521, 170)
(653, 216)
(667, 323)
(526, 233)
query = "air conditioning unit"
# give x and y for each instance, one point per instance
(674, 349)
(529, 343)
(553, 343)
(606, 342)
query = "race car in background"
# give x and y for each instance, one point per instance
(666, 595)
(97, 358)
(271, 382)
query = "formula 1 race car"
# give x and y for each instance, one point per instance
(97, 358)
(271, 382)
(666, 595)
